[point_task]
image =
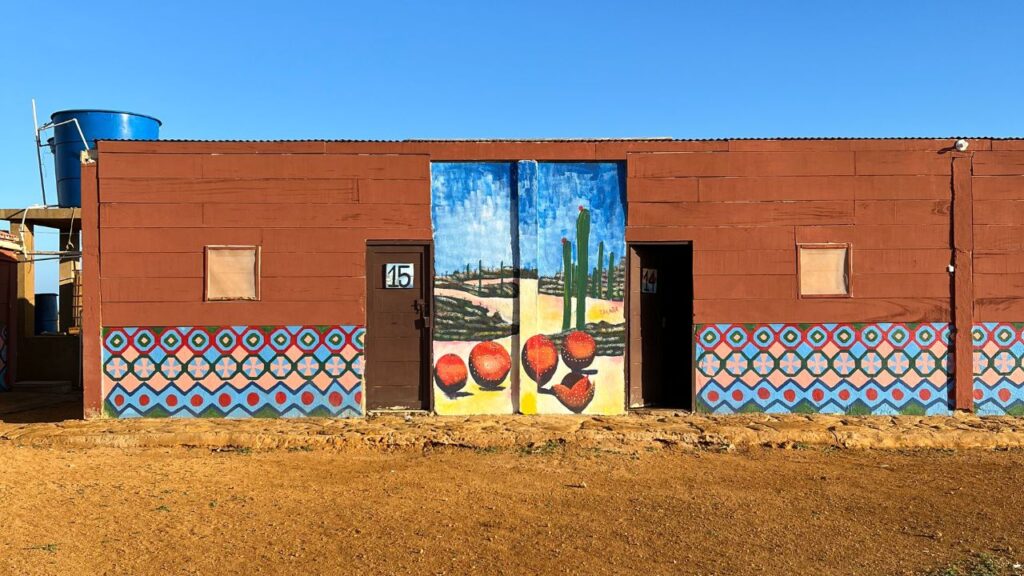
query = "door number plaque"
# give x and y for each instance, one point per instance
(649, 281)
(399, 275)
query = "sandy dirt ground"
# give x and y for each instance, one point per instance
(548, 509)
(632, 432)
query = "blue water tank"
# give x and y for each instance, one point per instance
(96, 125)
(46, 314)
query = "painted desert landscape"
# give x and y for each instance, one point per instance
(529, 271)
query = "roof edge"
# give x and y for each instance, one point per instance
(583, 140)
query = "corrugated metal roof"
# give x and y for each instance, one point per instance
(555, 140)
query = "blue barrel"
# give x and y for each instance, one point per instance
(96, 125)
(46, 314)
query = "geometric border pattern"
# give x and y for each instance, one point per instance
(998, 369)
(3, 359)
(877, 368)
(233, 371)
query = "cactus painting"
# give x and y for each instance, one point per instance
(567, 284)
(545, 334)
(580, 208)
(582, 250)
(611, 276)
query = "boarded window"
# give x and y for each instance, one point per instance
(232, 273)
(824, 269)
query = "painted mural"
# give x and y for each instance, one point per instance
(475, 287)
(881, 368)
(233, 372)
(572, 219)
(998, 368)
(529, 282)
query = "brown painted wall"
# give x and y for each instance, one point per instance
(311, 213)
(310, 205)
(744, 204)
(998, 189)
(745, 211)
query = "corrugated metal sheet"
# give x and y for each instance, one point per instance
(555, 140)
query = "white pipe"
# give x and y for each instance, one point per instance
(68, 253)
(39, 154)
(81, 134)
(21, 229)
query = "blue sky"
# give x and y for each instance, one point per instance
(467, 69)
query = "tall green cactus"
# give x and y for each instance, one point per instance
(595, 281)
(566, 284)
(501, 277)
(480, 278)
(611, 276)
(582, 249)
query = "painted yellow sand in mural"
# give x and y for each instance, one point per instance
(548, 383)
(461, 375)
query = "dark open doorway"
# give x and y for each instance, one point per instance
(661, 326)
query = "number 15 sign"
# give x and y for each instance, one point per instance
(398, 275)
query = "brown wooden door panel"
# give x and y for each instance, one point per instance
(393, 373)
(402, 349)
(393, 326)
(398, 337)
(389, 397)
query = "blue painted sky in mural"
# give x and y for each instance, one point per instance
(561, 189)
(472, 205)
(470, 211)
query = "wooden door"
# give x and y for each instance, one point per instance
(398, 282)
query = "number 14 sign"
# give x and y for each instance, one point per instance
(648, 280)
(399, 275)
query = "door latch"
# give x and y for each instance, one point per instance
(421, 306)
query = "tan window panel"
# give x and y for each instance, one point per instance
(824, 269)
(232, 273)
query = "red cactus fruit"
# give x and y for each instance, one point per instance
(540, 359)
(450, 373)
(575, 392)
(489, 362)
(578, 349)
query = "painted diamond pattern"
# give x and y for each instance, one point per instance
(171, 367)
(116, 341)
(233, 372)
(281, 339)
(308, 340)
(253, 340)
(998, 378)
(879, 368)
(198, 340)
(170, 341)
(143, 340)
(225, 340)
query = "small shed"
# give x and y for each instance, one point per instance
(242, 279)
